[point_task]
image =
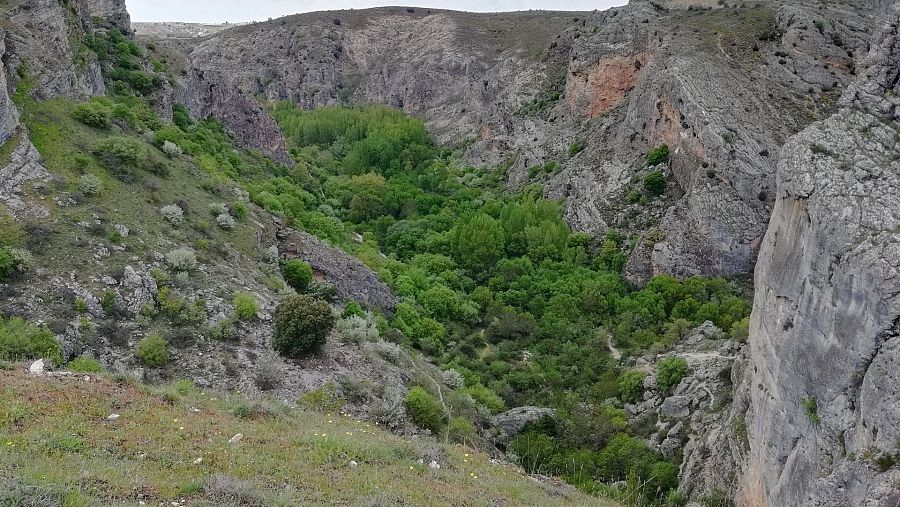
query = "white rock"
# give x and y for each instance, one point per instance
(108, 280)
(434, 465)
(112, 417)
(37, 367)
(353, 464)
(198, 461)
(235, 439)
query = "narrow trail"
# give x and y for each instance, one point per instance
(616, 353)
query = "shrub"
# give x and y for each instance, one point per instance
(245, 306)
(218, 208)
(388, 351)
(297, 274)
(658, 155)
(182, 259)
(225, 221)
(268, 373)
(121, 154)
(323, 399)
(171, 149)
(153, 351)
(20, 340)
(425, 410)
(301, 325)
(486, 397)
(655, 183)
(461, 430)
(355, 329)
(84, 364)
(352, 308)
(8, 263)
(89, 185)
(811, 407)
(173, 214)
(670, 371)
(740, 330)
(577, 147)
(631, 386)
(93, 114)
(453, 379)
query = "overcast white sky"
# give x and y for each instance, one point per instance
(218, 11)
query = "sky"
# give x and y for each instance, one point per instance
(220, 11)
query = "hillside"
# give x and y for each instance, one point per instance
(59, 445)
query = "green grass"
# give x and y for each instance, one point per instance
(172, 443)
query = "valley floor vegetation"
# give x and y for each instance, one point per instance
(494, 287)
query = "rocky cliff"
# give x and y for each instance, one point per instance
(824, 333)
(724, 87)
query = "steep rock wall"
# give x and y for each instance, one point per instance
(9, 116)
(825, 330)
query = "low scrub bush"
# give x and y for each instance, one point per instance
(21, 340)
(425, 410)
(670, 371)
(297, 274)
(182, 259)
(84, 364)
(93, 114)
(173, 214)
(658, 155)
(245, 306)
(153, 351)
(90, 185)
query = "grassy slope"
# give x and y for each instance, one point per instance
(54, 432)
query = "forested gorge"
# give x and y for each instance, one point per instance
(495, 286)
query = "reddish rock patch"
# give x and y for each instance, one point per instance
(605, 84)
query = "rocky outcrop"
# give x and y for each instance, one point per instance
(824, 333)
(210, 94)
(9, 116)
(353, 280)
(24, 167)
(43, 39)
(111, 12)
(701, 422)
(510, 423)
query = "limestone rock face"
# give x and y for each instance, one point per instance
(24, 167)
(112, 12)
(9, 116)
(824, 332)
(353, 280)
(512, 422)
(209, 94)
(42, 46)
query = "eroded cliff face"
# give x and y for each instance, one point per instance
(9, 116)
(825, 331)
(43, 47)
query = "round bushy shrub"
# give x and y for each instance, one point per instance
(171, 149)
(670, 371)
(655, 183)
(245, 306)
(218, 208)
(172, 213)
(301, 325)
(658, 155)
(425, 410)
(89, 185)
(631, 386)
(225, 221)
(297, 274)
(153, 351)
(93, 114)
(182, 259)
